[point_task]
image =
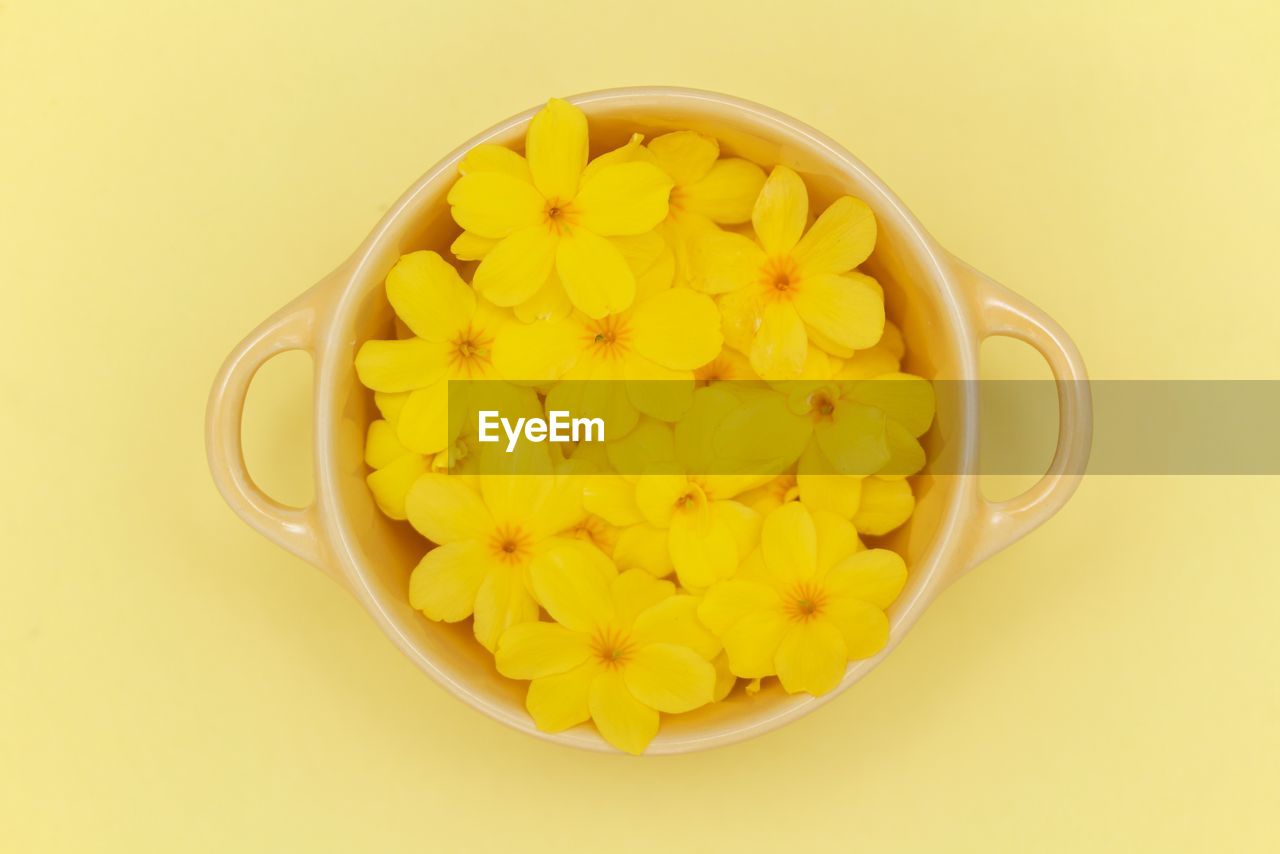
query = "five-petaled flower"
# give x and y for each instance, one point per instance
(623, 648)
(794, 287)
(552, 212)
(808, 602)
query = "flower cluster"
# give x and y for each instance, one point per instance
(692, 298)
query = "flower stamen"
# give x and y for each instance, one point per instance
(804, 602)
(780, 276)
(510, 544)
(612, 647)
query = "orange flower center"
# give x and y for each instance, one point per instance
(608, 337)
(780, 276)
(823, 407)
(612, 647)
(557, 216)
(594, 530)
(804, 602)
(470, 353)
(510, 544)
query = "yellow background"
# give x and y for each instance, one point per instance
(171, 172)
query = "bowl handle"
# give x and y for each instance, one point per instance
(998, 311)
(296, 529)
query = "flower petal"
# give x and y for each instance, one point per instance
(391, 483)
(855, 441)
(703, 550)
(848, 309)
(381, 447)
(444, 509)
(837, 539)
(623, 198)
(558, 702)
(660, 393)
(429, 296)
(906, 456)
(558, 508)
(472, 247)
(517, 267)
(779, 346)
(730, 601)
(866, 364)
(669, 678)
(533, 650)
(864, 627)
(752, 643)
(684, 155)
(629, 152)
(725, 680)
(613, 499)
(423, 425)
(502, 601)
(789, 543)
(493, 204)
(594, 273)
(445, 582)
(571, 583)
(488, 157)
(722, 261)
(537, 352)
(674, 620)
(404, 365)
(839, 240)
(636, 591)
(875, 575)
(903, 398)
(677, 328)
(511, 498)
(624, 721)
(556, 148)
(811, 658)
(657, 494)
(390, 403)
(837, 493)
(727, 193)
(885, 505)
(780, 211)
(642, 546)
(549, 303)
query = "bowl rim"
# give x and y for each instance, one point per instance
(329, 355)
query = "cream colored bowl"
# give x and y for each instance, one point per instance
(945, 308)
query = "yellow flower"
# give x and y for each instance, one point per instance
(706, 189)
(487, 540)
(707, 533)
(395, 468)
(883, 505)
(662, 337)
(623, 649)
(862, 427)
(807, 604)
(877, 505)
(453, 340)
(705, 186)
(549, 211)
(794, 287)
(675, 514)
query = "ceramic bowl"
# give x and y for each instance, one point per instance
(945, 308)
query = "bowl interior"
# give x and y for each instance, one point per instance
(379, 553)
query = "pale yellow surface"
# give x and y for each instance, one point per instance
(172, 172)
